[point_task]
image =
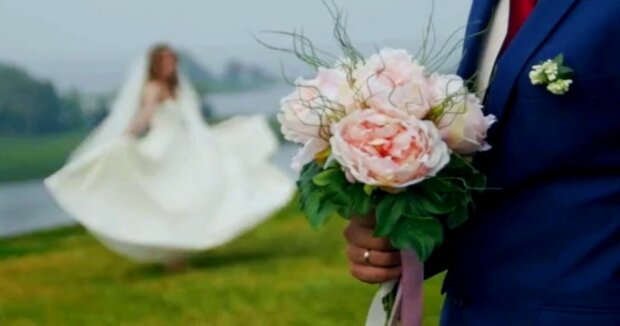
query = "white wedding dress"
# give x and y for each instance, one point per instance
(182, 188)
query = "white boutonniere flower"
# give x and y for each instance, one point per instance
(553, 74)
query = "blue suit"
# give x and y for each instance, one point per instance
(544, 248)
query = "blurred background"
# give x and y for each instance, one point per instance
(61, 63)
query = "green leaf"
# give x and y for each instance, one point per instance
(440, 185)
(458, 216)
(325, 191)
(338, 192)
(463, 175)
(326, 177)
(314, 200)
(415, 208)
(565, 72)
(457, 166)
(368, 189)
(433, 203)
(389, 211)
(559, 59)
(361, 201)
(477, 181)
(308, 172)
(332, 164)
(317, 210)
(423, 234)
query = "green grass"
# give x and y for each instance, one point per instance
(282, 273)
(23, 158)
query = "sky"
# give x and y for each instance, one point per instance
(89, 43)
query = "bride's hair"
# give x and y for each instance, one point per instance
(155, 57)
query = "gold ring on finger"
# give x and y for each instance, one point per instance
(367, 257)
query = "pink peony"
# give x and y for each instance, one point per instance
(307, 113)
(308, 153)
(388, 148)
(392, 78)
(463, 125)
(443, 87)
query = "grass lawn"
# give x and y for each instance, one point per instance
(282, 273)
(24, 158)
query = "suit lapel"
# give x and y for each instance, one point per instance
(545, 17)
(479, 18)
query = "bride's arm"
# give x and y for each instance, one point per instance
(150, 100)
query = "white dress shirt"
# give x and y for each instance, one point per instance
(498, 29)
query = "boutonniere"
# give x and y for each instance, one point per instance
(553, 74)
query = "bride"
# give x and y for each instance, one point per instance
(155, 184)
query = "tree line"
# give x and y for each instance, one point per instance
(29, 106)
(32, 107)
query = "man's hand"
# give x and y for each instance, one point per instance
(372, 260)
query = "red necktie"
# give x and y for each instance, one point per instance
(519, 11)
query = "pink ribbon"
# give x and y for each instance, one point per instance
(410, 288)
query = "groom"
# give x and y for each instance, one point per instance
(542, 247)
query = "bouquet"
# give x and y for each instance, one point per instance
(388, 136)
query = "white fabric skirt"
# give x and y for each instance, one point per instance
(175, 192)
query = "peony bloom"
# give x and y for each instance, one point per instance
(444, 87)
(308, 153)
(387, 148)
(307, 113)
(463, 125)
(392, 78)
